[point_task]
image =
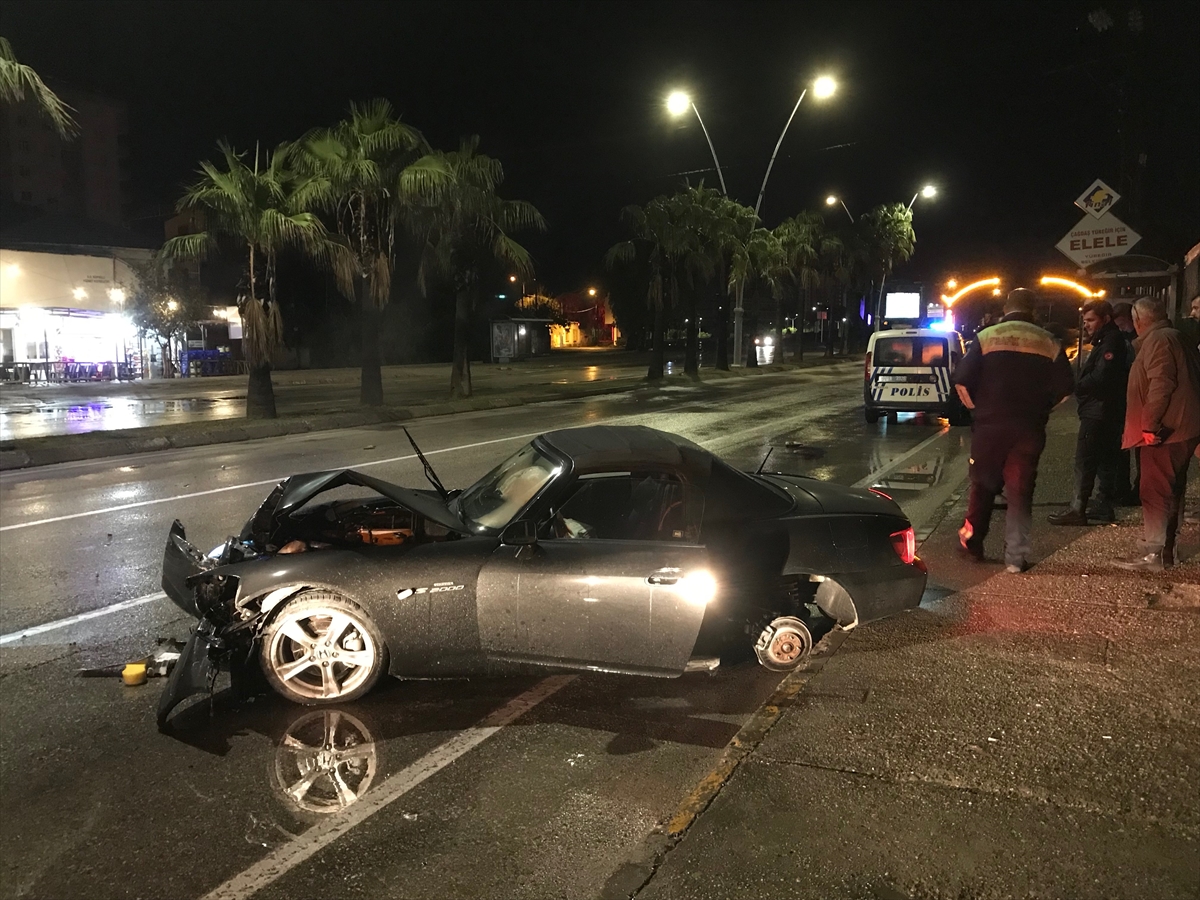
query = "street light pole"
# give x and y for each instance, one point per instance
(677, 104)
(713, 150)
(928, 191)
(823, 87)
(831, 199)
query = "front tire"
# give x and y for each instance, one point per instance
(320, 649)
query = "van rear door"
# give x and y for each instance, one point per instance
(911, 369)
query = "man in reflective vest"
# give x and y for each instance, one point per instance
(1012, 377)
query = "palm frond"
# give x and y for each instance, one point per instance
(17, 80)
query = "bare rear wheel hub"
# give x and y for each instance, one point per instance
(784, 644)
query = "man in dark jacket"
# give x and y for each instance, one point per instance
(1012, 377)
(1100, 395)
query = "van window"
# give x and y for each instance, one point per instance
(918, 350)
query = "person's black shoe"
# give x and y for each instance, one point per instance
(1102, 513)
(1070, 516)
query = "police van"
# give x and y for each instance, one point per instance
(909, 370)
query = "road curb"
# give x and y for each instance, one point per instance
(637, 871)
(45, 451)
(102, 444)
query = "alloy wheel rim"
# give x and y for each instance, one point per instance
(321, 654)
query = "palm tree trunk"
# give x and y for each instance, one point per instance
(656, 345)
(371, 393)
(257, 344)
(460, 373)
(691, 357)
(802, 295)
(260, 393)
(722, 330)
(778, 358)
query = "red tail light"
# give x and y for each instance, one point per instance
(905, 544)
(867, 368)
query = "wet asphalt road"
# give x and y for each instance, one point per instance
(95, 803)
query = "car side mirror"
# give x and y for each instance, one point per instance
(519, 534)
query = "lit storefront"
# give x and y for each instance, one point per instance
(62, 316)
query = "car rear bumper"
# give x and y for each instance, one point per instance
(883, 591)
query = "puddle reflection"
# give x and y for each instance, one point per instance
(325, 761)
(109, 414)
(920, 475)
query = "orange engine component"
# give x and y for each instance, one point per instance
(384, 536)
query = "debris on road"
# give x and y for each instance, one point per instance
(156, 665)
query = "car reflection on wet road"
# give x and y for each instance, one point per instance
(94, 802)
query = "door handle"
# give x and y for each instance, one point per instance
(664, 576)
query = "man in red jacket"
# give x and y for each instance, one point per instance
(1012, 377)
(1162, 418)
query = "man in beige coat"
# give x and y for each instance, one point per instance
(1162, 418)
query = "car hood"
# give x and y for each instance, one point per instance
(298, 490)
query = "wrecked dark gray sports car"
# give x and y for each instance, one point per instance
(615, 549)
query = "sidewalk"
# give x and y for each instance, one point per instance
(200, 411)
(1016, 736)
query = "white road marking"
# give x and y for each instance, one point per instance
(285, 858)
(250, 484)
(14, 636)
(899, 460)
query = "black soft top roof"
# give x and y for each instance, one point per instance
(599, 448)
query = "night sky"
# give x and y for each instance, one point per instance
(1011, 109)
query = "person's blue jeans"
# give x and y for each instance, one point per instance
(1005, 456)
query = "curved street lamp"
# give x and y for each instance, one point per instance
(823, 88)
(832, 200)
(678, 103)
(928, 192)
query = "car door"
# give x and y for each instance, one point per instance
(616, 580)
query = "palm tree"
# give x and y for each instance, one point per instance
(263, 210)
(371, 167)
(466, 226)
(657, 241)
(16, 80)
(811, 256)
(888, 238)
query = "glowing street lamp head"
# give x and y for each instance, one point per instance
(952, 284)
(831, 200)
(678, 103)
(984, 282)
(928, 191)
(512, 278)
(1055, 281)
(824, 87)
(172, 305)
(591, 292)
